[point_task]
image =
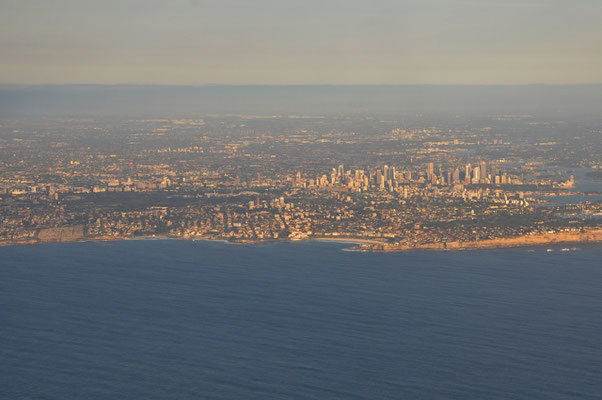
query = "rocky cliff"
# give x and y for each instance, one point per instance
(63, 234)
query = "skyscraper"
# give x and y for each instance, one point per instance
(380, 181)
(456, 177)
(483, 171)
(467, 174)
(476, 175)
(429, 170)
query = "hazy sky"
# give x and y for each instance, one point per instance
(301, 42)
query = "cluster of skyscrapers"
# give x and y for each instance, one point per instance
(388, 177)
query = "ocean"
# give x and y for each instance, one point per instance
(178, 319)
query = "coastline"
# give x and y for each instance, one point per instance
(589, 236)
(348, 240)
(363, 245)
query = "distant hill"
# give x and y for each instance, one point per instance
(221, 99)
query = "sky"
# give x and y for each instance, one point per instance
(283, 42)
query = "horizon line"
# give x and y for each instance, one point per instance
(205, 85)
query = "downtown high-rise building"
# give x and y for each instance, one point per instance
(456, 176)
(476, 175)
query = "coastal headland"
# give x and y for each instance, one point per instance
(586, 236)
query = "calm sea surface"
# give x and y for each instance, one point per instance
(171, 319)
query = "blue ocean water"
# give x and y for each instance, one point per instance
(167, 319)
